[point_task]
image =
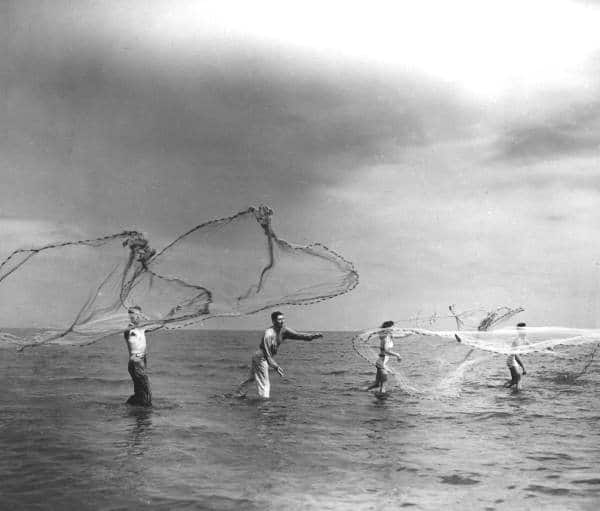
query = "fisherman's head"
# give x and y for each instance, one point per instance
(385, 326)
(278, 319)
(134, 312)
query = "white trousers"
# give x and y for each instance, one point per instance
(260, 373)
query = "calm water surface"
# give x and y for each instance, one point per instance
(68, 441)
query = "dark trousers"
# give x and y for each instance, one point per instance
(141, 385)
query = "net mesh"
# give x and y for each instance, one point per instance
(421, 373)
(519, 340)
(576, 348)
(77, 292)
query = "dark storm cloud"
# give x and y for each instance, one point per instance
(576, 135)
(557, 152)
(225, 106)
(564, 126)
(236, 112)
(89, 113)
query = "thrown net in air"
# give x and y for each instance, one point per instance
(518, 340)
(575, 348)
(77, 292)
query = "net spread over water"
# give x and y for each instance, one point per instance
(77, 292)
(476, 343)
(519, 340)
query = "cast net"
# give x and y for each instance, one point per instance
(77, 292)
(432, 367)
(517, 340)
(435, 363)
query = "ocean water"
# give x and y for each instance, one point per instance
(68, 441)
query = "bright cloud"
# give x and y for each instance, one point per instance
(485, 48)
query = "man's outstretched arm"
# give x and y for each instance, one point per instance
(300, 336)
(392, 354)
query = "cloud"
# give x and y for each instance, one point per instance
(576, 131)
(89, 116)
(551, 124)
(241, 110)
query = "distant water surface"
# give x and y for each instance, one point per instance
(68, 441)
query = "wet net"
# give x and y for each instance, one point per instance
(430, 367)
(437, 362)
(517, 340)
(77, 292)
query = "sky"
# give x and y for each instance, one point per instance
(450, 150)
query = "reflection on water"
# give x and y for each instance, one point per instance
(140, 429)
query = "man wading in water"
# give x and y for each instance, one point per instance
(263, 359)
(135, 337)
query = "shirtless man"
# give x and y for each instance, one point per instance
(385, 351)
(135, 337)
(263, 359)
(514, 361)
